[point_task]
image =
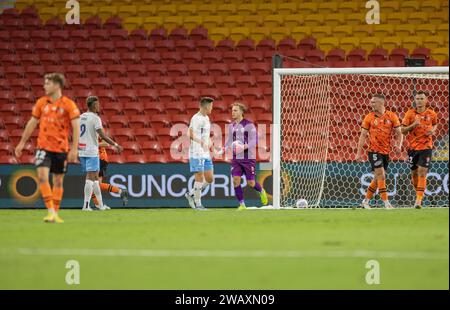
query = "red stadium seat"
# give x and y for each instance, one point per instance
(159, 34)
(177, 70)
(14, 122)
(253, 56)
(146, 95)
(32, 23)
(225, 45)
(287, 44)
(168, 95)
(138, 121)
(199, 33)
(39, 35)
(245, 81)
(336, 55)
(307, 43)
(4, 85)
(203, 82)
(160, 120)
(260, 68)
(141, 82)
(85, 47)
(218, 69)
(174, 107)
(94, 71)
(112, 109)
(110, 58)
(314, 56)
(378, 54)
(113, 23)
(19, 35)
(232, 57)
(116, 70)
(130, 58)
(121, 83)
(230, 94)
(197, 69)
(189, 94)
(99, 35)
(163, 46)
(104, 47)
(118, 121)
(131, 148)
(192, 57)
(245, 45)
(82, 94)
(145, 134)
(81, 83)
(251, 93)
(178, 34)
(211, 57)
(138, 35)
(238, 69)
(14, 72)
(264, 81)
(117, 159)
(118, 34)
(184, 46)
(183, 82)
(106, 96)
(266, 45)
(9, 60)
(66, 59)
(93, 22)
(156, 69)
(151, 58)
(124, 46)
(225, 81)
(356, 54)
(171, 57)
(210, 92)
(134, 71)
(76, 35)
(4, 136)
(181, 119)
(89, 59)
(8, 160)
(53, 23)
(399, 54)
(204, 45)
(151, 147)
(123, 134)
(6, 149)
(101, 83)
(421, 52)
(20, 84)
(126, 96)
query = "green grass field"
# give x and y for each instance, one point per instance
(226, 249)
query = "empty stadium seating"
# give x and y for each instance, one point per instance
(150, 62)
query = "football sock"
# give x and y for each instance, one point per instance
(46, 193)
(88, 188)
(382, 188)
(110, 188)
(371, 190)
(257, 187)
(415, 179)
(198, 192)
(98, 193)
(57, 197)
(239, 193)
(421, 185)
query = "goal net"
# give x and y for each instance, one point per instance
(317, 122)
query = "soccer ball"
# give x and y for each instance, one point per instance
(302, 203)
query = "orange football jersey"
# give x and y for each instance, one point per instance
(417, 138)
(54, 122)
(380, 130)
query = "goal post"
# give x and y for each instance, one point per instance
(317, 115)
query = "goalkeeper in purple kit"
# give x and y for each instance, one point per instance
(242, 140)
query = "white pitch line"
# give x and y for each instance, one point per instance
(231, 253)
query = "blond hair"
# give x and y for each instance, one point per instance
(241, 106)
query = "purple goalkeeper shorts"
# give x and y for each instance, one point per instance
(239, 167)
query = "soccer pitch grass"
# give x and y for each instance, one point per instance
(226, 249)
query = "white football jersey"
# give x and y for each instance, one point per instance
(88, 142)
(201, 127)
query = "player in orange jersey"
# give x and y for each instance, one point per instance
(102, 173)
(378, 126)
(54, 113)
(419, 126)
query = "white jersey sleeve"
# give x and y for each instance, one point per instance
(88, 142)
(201, 128)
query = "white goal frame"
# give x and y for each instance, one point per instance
(276, 129)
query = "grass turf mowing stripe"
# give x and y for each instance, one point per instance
(231, 253)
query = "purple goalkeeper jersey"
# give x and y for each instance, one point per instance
(244, 132)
